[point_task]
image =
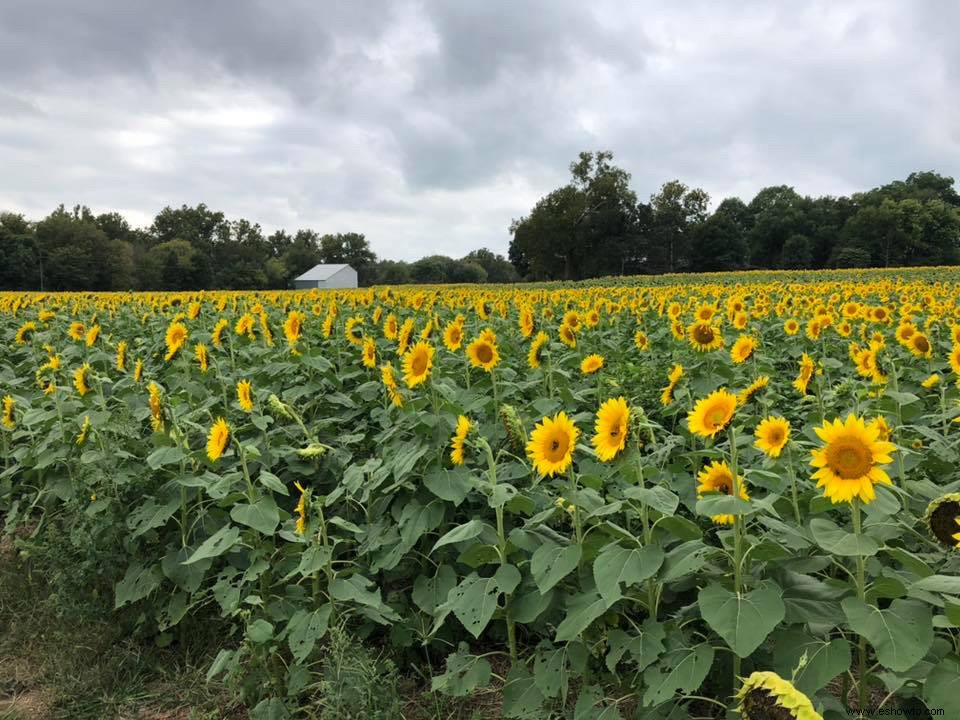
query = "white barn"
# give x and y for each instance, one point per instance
(327, 276)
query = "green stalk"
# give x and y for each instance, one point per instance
(737, 539)
(793, 487)
(502, 549)
(862, 686)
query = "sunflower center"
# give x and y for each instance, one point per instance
(558, 447)
(775, 436)
(849, 458)
(703, 334)
(921, 344)
(419, 364)
(716, 416)
(484, 353)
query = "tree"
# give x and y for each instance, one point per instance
(350, 248)
(19, 259)
(497, 268)
(778, 212)
(677, 209)
(719, 242)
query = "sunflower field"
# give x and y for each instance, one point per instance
(683, 499)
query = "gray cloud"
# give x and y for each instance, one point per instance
(430, 125)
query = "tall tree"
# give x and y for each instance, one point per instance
(677, 209)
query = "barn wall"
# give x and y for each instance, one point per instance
(345, 278)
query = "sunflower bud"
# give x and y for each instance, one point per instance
(640, 426)
(279, 407)
(313, 450)
(514, 427)
(942, 518)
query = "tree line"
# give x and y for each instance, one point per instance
(595, 226)
(190, 248)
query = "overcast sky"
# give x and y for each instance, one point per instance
(430, 125)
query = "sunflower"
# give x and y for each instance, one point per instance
(613, 418)
(156, 411)
(369, 352)
(24, 332)
(203, 357)
(417, 363)
(82, 435)
(772, 434)
(704, 337)
(807, 367)
(403, 337)
(300, 527)
(883, 429)
(453, 336)
(483, 352)
(390, 327)
(931, 381)
(752, 389)
(740, 320)
(847, 464)
(904, 332)
(552, 443)
(572, 318)
(742, 349)
(526, 323)
(217, 439)
(138, 371)
(641, 341)
(919, 345)
(536, 349)
(175, 339)
(216, 337)
(943, 519)
(121, 358)
(666, 397)
(717, 478)
(353, 330)
(791, 326)
(8, 418)
(767, 696)
(713, 413)
(955, 359)
(92, 334)
(568, 335)
(459, 439)
(678, 330)
(245, 395)
(76, 331)
(705, 312)
(80, 379)
(591, 364)
(245, 325)
(293, 327)
(389, 379)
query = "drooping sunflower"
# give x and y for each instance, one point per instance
(217, 439)
(293, 327)
(81, 438)
(525, 322)
(847, 464)
(389, 379)
(717, 478)
(417, 364)
(80, 379)
(453, 336)
(931, 381)
(772, 435)
(156, 409)
(245, 325)
(92, 335)
(245, 395)
(666, 396)
(943, 519)
(752, 389)
(8, 421)
(742, 349)
(591, 364)
(613, 419)
(121, 357)
(807, 367)
(202, 356)
(403, 337)
(300, 526)
(24, 332)
(704, 337)
(138, 371)
(536, 349)
(175, 339)
(767, 696)
(459, 439)
(552, 443)
(369, 352)
(713, 413)
(568, 336)
(483, 352)
(216, 337)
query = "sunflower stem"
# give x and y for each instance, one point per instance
(502, 542)
(737, 538)
(862, 686)
(793, 487)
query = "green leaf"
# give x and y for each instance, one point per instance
(465, 673)
(150, 515)
(901, 635)
(644, 648)
(683, 669)
(467, 531)
(137, 583)
(165, 456)
(949, 584)
(272, 482)
(528, 607)
(187, 577)
(942, 686)
(270, 709)
(431, 592)
(552, 563)
(825, 659)
(616, 565)
(521, 696)
(554, 665)
(743, 620)
(305, 628)
(215, 545)
(657, 497)
(260, 631)
(474, 600)
(263, 516)
(837, 541)
(582, 610)
(721, 504)
(686, 558)
(450, 485)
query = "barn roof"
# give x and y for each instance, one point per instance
(321, 272)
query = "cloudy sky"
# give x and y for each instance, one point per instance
(430, 125)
